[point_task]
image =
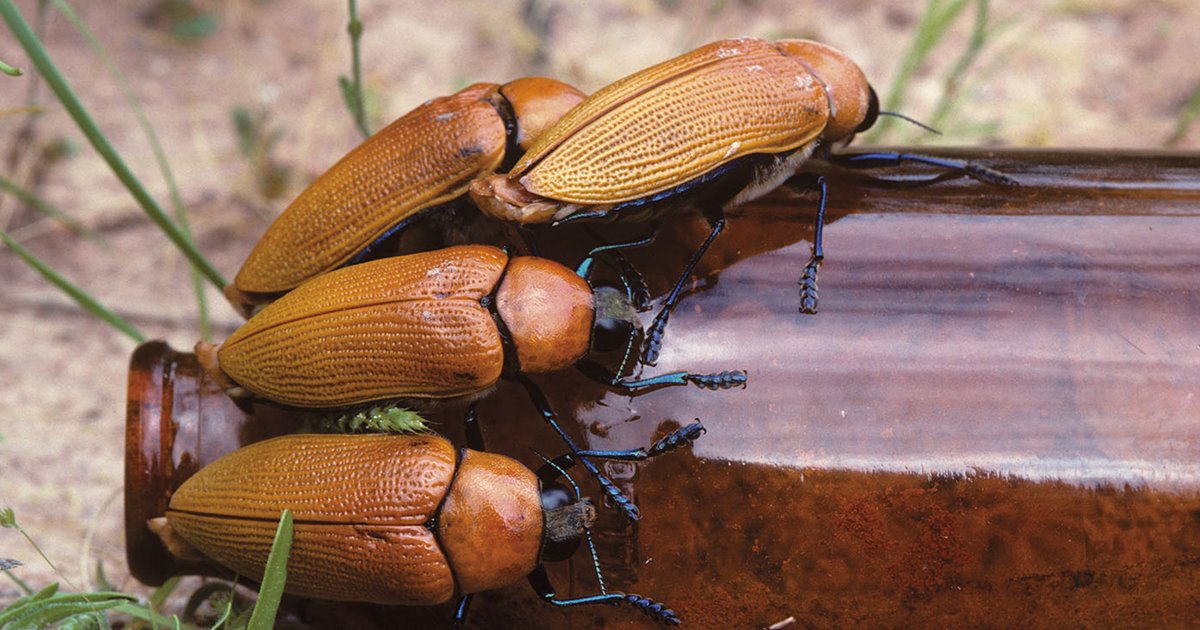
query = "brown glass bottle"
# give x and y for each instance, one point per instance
(993, 421)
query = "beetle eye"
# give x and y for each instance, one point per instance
(872, 111)
(611, 333)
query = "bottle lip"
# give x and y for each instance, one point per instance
(162, 382)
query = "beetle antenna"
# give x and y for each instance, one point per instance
(587, 531)
(911, 120)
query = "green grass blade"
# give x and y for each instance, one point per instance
(274, 577)
(81, 297)
(25, 588)
(8, 520)
(41, 60)
(1187, 116)
(85, 621)
(48, 606)
(101, 578)
(933, 26)
(352, 89)
(204, 593)
(138, 611)
(984, 31)
(229, 604)
(46, 208)
(11, 71)
(160, 155)
(161, 593)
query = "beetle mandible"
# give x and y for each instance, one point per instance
(710, 129)
(418, 164)
(434, 326)
(406, 519)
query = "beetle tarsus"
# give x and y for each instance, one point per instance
(623, 503)
(654, 335)
(720, 380)
(889, 159)
(808, 287)
(657, 610)
(681, 437)
(990, 176)
(653, 343)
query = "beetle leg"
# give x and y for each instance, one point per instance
(677, 439)
(639, 293)
(461, 609)
(632, 386)
(623, 503)
(654, 334)
(540, 582)
(875, 160)
(584, 270)
(808, 279)
(555, 468)
(474, 432)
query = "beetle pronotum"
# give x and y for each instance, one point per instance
(711, 129)
(395, 519)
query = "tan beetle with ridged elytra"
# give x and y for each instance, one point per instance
(435, 326)
(418, 164)
(710, 129)
(394, 519)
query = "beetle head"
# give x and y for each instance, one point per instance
(617, 323)
(567, 518)
(846, 85)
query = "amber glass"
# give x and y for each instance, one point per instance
(993, 421)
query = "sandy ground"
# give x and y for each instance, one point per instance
(1101, 73)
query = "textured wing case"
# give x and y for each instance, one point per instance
(426, 157)
(404, 327)
(673, 122)
(360, 504)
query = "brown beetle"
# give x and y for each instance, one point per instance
(416, 165)
(711, 129)
(394, 519)
(434, 326)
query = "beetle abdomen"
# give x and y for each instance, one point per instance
(675, 121)
(426, 157)
(360, 504)
(404, 327)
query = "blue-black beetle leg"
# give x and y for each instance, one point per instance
(462, 609)
(474, 432)
(622, 502)
(635, 386)
(654, 334)
(884, 159)
(545, 589)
